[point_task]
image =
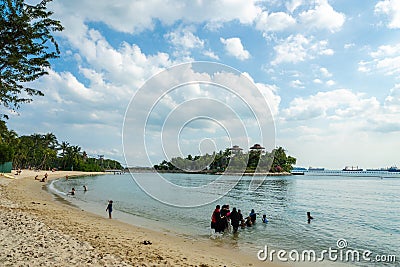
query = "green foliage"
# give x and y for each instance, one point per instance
(26, 46)
(253, 161)
(43, 151)
(6, 153)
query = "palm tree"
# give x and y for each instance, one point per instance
(50, 140)
(64, 145)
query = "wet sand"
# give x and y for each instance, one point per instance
(38, 230)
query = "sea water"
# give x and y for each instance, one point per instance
(365, 212)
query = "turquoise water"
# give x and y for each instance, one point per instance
(363, 211)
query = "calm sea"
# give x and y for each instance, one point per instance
(365, 212)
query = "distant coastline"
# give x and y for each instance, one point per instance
(152, 170)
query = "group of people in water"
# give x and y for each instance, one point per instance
(222, 217)
(72, 192)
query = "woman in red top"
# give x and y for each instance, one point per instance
(215, 219)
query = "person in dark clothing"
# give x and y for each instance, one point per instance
(253, 216)
(241, 220)
(309, 217)
(235, 220)
(109, 208)
(215, 219)
(224, 217)
(72, 193)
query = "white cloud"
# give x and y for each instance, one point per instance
(322, 17)
(135, 16)
(386, 50)
(325, 72)
(317, 81)
(330, 82)
(349, 45)
(277, 21)
(337, 104)
(385, 59)
(392, 101)
(234, 47)
(297, 83)
(184, 38)
(211, 54)
(297, 48)
(293, 5)
(391, 8)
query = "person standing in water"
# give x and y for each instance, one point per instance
(109, 208)
(84, 188)
(234, 220)
(215, 219)
(253, 216)
(309, 217)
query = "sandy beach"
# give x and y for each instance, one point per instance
(36, 229)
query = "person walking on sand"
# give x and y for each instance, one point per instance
(109, 208)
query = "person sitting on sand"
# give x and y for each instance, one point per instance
(45, 176)
(264, 219)
(37, 177)
(109, 208)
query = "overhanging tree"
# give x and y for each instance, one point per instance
(26, 48)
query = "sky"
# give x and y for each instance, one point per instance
(329, 71)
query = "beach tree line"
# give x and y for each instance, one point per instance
(275, 161)
(46, 152)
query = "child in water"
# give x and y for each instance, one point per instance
(264, 219)
(72, 193)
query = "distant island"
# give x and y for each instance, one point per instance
(233, 160)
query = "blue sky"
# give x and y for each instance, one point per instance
(329, 71)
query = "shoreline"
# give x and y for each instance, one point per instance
(71, 236)
(218, 173)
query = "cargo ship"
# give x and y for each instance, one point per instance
(392, 172)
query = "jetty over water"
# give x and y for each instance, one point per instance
(116, 171)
